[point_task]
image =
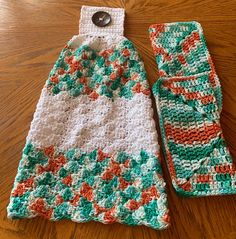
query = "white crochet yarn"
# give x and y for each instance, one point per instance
(68, 122)
(95, 42)
(116, 27)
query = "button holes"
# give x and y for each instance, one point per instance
(101, 18)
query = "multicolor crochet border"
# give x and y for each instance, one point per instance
(90, 186)
(189, 102)
(113, 72)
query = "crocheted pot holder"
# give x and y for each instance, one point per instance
(189, 101)
(92, 150)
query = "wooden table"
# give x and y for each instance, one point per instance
(32, 34)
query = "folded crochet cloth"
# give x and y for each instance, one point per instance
(189, 101)
(92, 150)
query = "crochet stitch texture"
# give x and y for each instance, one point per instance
(189, 101)
(92, 150)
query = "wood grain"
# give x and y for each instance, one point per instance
(32, 34)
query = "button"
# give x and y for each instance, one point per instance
(101, 19)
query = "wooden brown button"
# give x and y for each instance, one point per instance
(101, 19)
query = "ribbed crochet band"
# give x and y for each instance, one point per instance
(116, 27)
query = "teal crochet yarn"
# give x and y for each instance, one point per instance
(189, 101)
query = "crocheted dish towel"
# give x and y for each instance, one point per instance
(189, 101)
(92, 151)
